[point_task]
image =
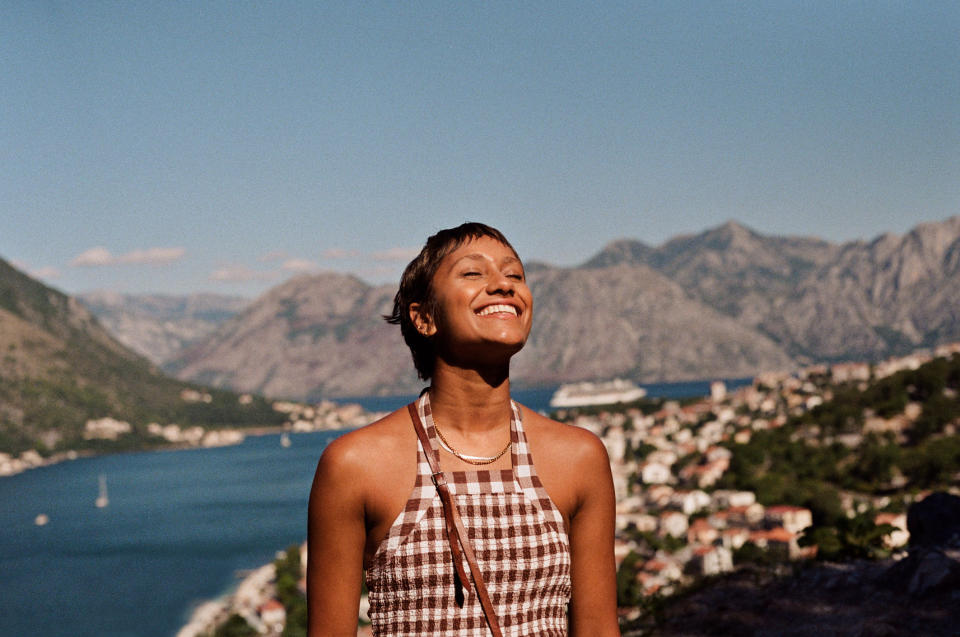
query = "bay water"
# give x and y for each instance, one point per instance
(179, 529)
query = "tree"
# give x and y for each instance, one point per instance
(933, 463)
(288, 574)
(235, 626)
(629, 590)
(750, 553)
(858, 537)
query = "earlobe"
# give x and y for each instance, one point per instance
(421, 320)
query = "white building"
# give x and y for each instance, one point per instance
(712, 560)
(655, 473)
(673, 523)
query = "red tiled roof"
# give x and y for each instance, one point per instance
(270, 604)
(784, 508)
(887, 518)
(779, 534)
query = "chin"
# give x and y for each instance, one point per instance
(509, 348)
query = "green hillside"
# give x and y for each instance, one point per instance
(828, 450)
(60, 368)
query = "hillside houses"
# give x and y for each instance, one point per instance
(666, 465)
(668, 492)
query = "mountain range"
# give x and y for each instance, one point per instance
(722, 303)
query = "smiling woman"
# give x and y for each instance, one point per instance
(440, 504)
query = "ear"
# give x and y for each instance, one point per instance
(422, 320)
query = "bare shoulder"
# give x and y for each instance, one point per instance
(568, 442)
(363, 453)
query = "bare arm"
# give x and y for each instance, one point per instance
(593, 608)
(336, 535)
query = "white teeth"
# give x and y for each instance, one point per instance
(491, 309)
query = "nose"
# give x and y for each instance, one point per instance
(499, 283)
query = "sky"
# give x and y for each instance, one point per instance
(182, 147)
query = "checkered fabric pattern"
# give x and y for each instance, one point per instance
(517, 534)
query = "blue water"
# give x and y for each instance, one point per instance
(179, 528)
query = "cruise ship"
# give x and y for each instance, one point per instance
(600, 393)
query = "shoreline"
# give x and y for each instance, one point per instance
(255, 588)
(244, 598)
(31, 459)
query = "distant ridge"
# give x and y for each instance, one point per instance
(158, 326)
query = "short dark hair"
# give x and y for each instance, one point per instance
(415, 288)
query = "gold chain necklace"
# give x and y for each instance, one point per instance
(474, 460)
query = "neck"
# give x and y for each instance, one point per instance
(469, 400)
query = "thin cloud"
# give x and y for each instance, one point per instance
(338, 253)
(396, 254)
(241, 274)
(46, 272)
(299, 265)
(93, 257)
(100, 256)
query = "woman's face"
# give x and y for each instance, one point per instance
(483, 306)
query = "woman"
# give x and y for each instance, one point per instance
(542, 534)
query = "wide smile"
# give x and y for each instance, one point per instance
(498, 309)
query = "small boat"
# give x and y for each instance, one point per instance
(41, 519)
(102, 500)
(284, 439)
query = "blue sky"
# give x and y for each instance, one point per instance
(181, 147)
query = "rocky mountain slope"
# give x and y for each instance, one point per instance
(884, 296)
(629, 320)
(724, 302)
(59, 368)
(313, 336)
(158, 326)
(818, 300)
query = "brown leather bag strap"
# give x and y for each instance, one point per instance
(456, 533)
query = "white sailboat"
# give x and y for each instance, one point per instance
(102, 500)
(284, 439)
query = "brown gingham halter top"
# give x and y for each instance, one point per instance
(517, 534)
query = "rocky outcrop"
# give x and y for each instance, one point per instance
(933, 562)
(840, 600)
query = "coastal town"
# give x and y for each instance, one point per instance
(674, 525)
(322, 416)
